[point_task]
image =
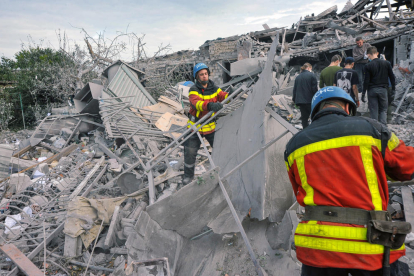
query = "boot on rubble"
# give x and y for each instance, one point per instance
(190, 155)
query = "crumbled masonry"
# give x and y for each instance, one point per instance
(97, 187)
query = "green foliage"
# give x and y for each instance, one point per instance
(41, 76)
(6, 69)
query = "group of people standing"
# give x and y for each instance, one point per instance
(363, 72)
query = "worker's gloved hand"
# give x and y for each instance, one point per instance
(230, 90)
(214, 106)
(363, 98)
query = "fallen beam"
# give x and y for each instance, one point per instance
(22, 151)
(25, 265)
(40, 247)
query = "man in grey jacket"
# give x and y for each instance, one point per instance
(306, 85)
(359, 54)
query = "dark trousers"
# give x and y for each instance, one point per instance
(305, 111)
(397, 269)
(378, 104)
(359, 67)
(191, 146)
(390, 109)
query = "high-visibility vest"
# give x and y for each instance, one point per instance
(199, 98)
(338, 161)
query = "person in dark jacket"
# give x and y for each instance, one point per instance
(377, 73)
(304, 88)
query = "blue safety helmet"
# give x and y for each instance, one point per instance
(198, 67)
(331, 92)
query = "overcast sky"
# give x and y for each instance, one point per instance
(183, 24)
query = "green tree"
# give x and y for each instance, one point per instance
(42, 78)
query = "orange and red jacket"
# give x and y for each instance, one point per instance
(344, 161)
(199, 98)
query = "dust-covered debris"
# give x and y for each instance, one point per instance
(98, 187)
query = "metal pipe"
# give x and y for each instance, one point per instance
(402, 99)
(233, 210)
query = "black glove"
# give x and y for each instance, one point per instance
(214, 106)
(363, 98)
(229, 90)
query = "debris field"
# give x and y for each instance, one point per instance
(96, 188)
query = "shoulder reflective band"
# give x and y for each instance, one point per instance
(204, 97)
(393, 142)
(346, 141)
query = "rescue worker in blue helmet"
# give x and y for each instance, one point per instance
(204, 97)
(338, 167)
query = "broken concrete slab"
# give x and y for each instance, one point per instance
(191, 208)
(211, 255)
(150, 241)
(246, 66)
(129, 183)
(266, 188)
(19, 182)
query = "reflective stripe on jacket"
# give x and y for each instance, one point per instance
(340, 161)
(199, 98)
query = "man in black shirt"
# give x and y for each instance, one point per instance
(377, 73)
(348, 79)
(306, 85)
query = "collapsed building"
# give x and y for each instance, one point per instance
(97, 187)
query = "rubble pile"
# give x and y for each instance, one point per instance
(403, 104)
(97, 187)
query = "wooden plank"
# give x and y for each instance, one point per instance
(22, 151)
(297, 29)
(407, 196)
(153, 147)
(374, 22)
(79, 188)
(21, 260)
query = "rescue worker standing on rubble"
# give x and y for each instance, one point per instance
(344, 229)
(204, 97)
